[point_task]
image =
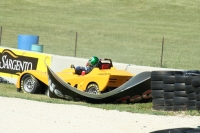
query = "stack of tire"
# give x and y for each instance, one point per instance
(196, 85)
(168, 88)
(180, 97)
(189, 89)
(157, 91)
(173, 90)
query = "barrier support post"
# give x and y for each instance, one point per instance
(75, 44)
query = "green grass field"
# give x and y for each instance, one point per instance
(125, 31)
(6, 90)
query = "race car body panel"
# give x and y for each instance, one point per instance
(82, 81)
(105, 79)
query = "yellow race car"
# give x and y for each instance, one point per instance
(103, 78)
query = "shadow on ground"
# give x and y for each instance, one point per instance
(179, 130)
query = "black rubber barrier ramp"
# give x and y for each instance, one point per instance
(137, 89)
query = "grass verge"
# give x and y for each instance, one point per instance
(9, 90)
(125, 31)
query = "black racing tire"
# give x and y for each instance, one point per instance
(180, 94)
(192, 72)
(191, 96)
(191, 107)
(196, 82)
(168, 108)
(197, 97)
(197, 90)
(190, 103)
(158, 107)
(158, 75)
(168, 79)
(157, 85)
(179, 108)
(179, 87)
(168, 95)
(189, 89)
(197, 104)
(178, 72)
(188, 80)
(180, 78)
(157, 93)
(168, 102)
(93, 88)
(158, 101)
(29, 84)
(180, 100)
(168, 87)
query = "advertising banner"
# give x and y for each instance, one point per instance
(14, 61)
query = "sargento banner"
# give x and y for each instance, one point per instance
(13, 64)
(13, 61)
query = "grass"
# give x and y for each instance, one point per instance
(125, 31)
(8, 90)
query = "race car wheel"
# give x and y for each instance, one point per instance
(93, 89)
(29, 84)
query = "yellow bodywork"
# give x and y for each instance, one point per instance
(104, 78)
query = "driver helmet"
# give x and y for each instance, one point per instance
(92, 61)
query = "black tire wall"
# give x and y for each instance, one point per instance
(175, 90)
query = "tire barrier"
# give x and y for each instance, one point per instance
(157, 91)
(175, 90)
(180, 96)
(179, 130)
(168, 87)
(196, 93)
